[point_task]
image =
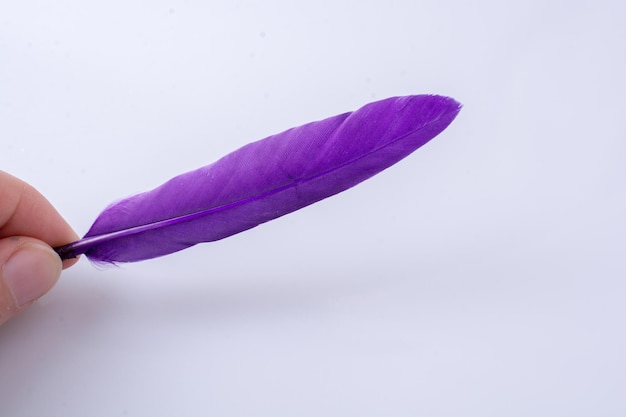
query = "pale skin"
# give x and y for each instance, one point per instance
(29, 228)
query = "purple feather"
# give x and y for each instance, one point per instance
(264, 180)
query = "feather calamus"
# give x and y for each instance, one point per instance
(264, 180)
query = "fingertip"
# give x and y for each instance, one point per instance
(30, 268)
(30, 272)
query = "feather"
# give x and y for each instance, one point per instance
(264, 180)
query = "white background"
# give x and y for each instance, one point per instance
(485, 275)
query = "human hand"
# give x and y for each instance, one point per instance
(29, 228)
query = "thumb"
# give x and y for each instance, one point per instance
(29, 268)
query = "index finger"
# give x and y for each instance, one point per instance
(25, 212)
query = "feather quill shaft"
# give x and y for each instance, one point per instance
(264, 180)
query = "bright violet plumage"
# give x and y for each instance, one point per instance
(264, 180)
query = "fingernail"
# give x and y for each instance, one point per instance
(30, 272)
